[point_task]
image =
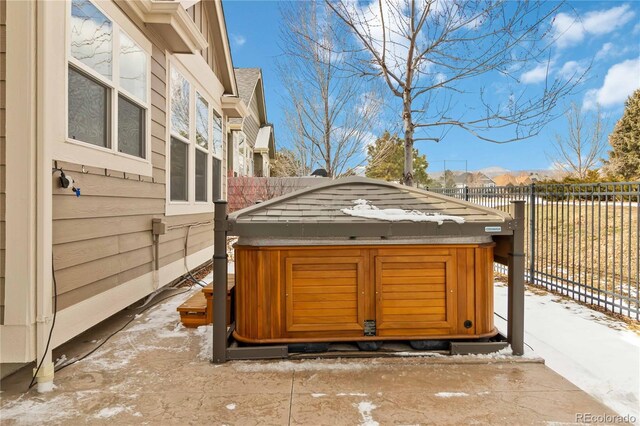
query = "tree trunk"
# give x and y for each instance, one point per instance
(407, 177)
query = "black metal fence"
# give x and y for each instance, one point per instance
(582, 240)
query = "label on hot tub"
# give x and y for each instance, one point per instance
(369, 327)
(493, 229)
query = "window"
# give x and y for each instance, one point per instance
(216, 172)
(201, 175)
(107, 84)
(179, 170)
(88, 109)
(196, 148)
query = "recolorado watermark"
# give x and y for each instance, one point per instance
(605, 418)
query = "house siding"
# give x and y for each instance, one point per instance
(200, 17)
(3, 47)
(103, 238)
(251, 124)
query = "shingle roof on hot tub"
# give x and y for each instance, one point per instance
(322, 205)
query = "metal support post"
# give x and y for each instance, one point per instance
(220, 283)
(515, 334)
(532, 233)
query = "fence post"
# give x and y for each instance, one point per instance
(532, 233)
(466, 193)
(220, 282)
(515, 315)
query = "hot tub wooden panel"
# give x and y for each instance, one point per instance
(311, 294)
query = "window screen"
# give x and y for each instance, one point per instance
(131, 128)
(216, 173)
(88, 109)
(201, 175)
(179, 170)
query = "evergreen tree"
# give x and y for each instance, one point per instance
(385, 160)
(624, 158)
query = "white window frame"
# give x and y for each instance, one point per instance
(196, 88)
(89, 154)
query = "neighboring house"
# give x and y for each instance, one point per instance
(473, 180)
(252, 145)
(130, 99)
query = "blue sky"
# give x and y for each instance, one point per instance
(607, 36)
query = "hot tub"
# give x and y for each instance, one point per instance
(358, 259)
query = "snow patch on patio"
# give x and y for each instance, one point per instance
(362, 208)
(230, 407)
(108, 412)
(318, 395)
(206, 342)
(290, 366)
(25, 411)
(365, 408)
(450, 394)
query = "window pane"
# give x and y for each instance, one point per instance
(216, 173)
(217, 135)
(179, 170)
(88, 109)
(202, 121)
(201, 175)
(179, 104)
(91, 37)
(131, 128)
(133, 68)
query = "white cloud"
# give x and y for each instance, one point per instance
(535, 75)
(568, 30)
(571, 69)
(605, 51)
(621, 80)
(238, 39)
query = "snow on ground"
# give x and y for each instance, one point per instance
(598, 354)
(306, 365)
(362, 208)
(366, 408)
(451, 394)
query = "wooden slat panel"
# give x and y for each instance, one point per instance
(319, 268)
(325, 305)
(413, 318)
(413, 310)
(323, 290)
(313, 312)
(321, 297)
(434, 279)
(332, 287)
(314, 282)
(323, 274)
(399, 288)
(415, 295)
(432, 270)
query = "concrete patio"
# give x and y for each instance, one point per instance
(157, 372)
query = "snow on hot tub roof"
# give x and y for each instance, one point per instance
(320, 211)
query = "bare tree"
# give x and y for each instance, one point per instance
(581, 150)
(331, 117)
(433, 54)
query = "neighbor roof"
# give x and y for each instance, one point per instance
(317, 211)
(247, 78)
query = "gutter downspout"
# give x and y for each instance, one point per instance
(44, 200)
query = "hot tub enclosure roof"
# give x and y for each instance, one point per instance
(317, 211)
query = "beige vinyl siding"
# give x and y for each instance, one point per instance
(103, 238)
(251, 124)
(198, 13)
(3, 62)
